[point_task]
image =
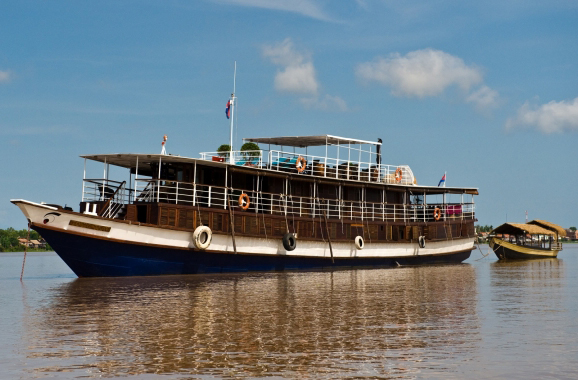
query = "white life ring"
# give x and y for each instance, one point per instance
(421, 241)
(202, 237)
(359, 242)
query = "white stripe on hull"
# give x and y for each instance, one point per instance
(135, 233)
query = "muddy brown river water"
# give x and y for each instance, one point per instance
(480, 319)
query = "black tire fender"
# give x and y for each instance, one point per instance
(289, 242)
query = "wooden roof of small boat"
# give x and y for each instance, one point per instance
(549, 226)
(522, 229)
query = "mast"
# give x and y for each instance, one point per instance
(233, 98)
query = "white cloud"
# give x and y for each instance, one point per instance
(4, 76)
(483, 98)
(548, 118)
(420, 73)
(326, 103)
(308, 8)
(297, 74)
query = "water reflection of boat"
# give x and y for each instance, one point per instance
(263, 324)
(534, 240)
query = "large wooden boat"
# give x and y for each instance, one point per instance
(537, 239)
(328, 203)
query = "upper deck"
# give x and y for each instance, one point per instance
(342, 159)
(337, 157)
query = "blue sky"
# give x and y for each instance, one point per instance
(485, 91)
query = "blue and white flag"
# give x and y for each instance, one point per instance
(228, 109)
(443, 180)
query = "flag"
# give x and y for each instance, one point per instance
(443, 180)
(228, 109)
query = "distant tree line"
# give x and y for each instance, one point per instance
(484, 228)
(9, 240)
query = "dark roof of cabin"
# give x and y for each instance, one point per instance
(305, 141)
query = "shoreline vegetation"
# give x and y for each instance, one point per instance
(11, 241)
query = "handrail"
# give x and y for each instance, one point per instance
(318, 166)
(174, 192)
(108, 201)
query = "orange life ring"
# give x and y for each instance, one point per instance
(398, 175)
(301, 164)
(437, 213)
(244, 201)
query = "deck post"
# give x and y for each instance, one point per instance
(83, 178)
(462, 208)
(325, 169)
(359, 165)
(104, 179)
(135, 180)
(339, 203)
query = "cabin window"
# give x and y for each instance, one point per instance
(218, 222)
(372, 231)
(204, 217)
(168, 217)
(351, 193)
(373, 195)
(211, 176)
(305, 229)
(394, 197)
(272, 185)
(327, 191)
(356, 230)
(456, 230)
(239, 223)
(279, 227)
(252, 225)
(186, 218)
(300, 188)
(415, 233)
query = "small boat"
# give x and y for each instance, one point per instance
(537, 239)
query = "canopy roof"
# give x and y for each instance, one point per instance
(550, 226)
(144, 160)
(521, 229)
(305, 141)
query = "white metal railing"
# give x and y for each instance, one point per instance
(113, 195)
(193, 194)
(99, 190)
(241, 158)
(318, 166)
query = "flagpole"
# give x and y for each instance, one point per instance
(231, 159)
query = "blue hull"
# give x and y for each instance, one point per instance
(92, 257)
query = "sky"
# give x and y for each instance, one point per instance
(486, 92)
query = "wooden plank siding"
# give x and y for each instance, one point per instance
(188, 218)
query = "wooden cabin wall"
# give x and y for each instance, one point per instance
(269, 226)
